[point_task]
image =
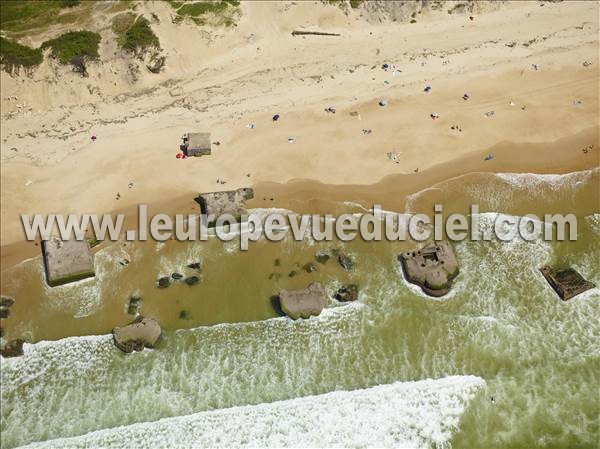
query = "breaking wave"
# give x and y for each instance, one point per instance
(418, 414)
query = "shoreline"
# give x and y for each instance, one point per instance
(392, 191)
(310, 196)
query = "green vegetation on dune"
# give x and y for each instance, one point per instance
(134, 34)
(122, 23)
(14, 55)
(18, 15)
(344, 3)
(199, 8)
(66, 47)
(26, 17)
(200, 12)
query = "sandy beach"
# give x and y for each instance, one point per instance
(247, 74)
(477, 343)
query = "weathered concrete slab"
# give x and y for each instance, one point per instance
(142, 333)
(432, 268)
(567, 283)
(67, 261)
(232, 202)
(303, 303)
(197, 144)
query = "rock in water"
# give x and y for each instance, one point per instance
(347, 293)
(6, 301)
(134, 305)
(322, 257)
(309, 267)
(13, 348)
(567, 283)
(345, 262)
(177, 276)
(195, 266)
(141, 333)
(432, 268)
(303, 303)
(192, 280)
(163, 282)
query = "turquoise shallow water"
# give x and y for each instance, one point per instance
(539, 356)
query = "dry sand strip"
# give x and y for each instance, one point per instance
(417, 414)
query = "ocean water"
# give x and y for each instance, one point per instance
(538, 356)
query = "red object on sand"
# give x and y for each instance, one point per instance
(179, 155)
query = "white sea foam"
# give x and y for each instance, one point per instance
(354, 204)
(44, 355)
(497, 197)
(593, 222)
(84, 297)
(403, 414)
(533, 181)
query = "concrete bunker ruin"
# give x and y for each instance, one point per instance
(432, 268)
(67, 261)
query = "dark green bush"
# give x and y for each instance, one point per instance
(139, 36)
(73, 44)
(19, 15)
(14, 55)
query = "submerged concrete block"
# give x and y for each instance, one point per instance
(567, 283)
(67, 261)
(303, 303)
(232, 202)
(142, 333)
(432, 268)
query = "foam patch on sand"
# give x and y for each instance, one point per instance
(534, 181)
(403, 414)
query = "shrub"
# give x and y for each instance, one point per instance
(218, 11)
(199, 8)
(74, 44)
(19, 15)
(122, 22)
(139, 36)
(14, 55)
